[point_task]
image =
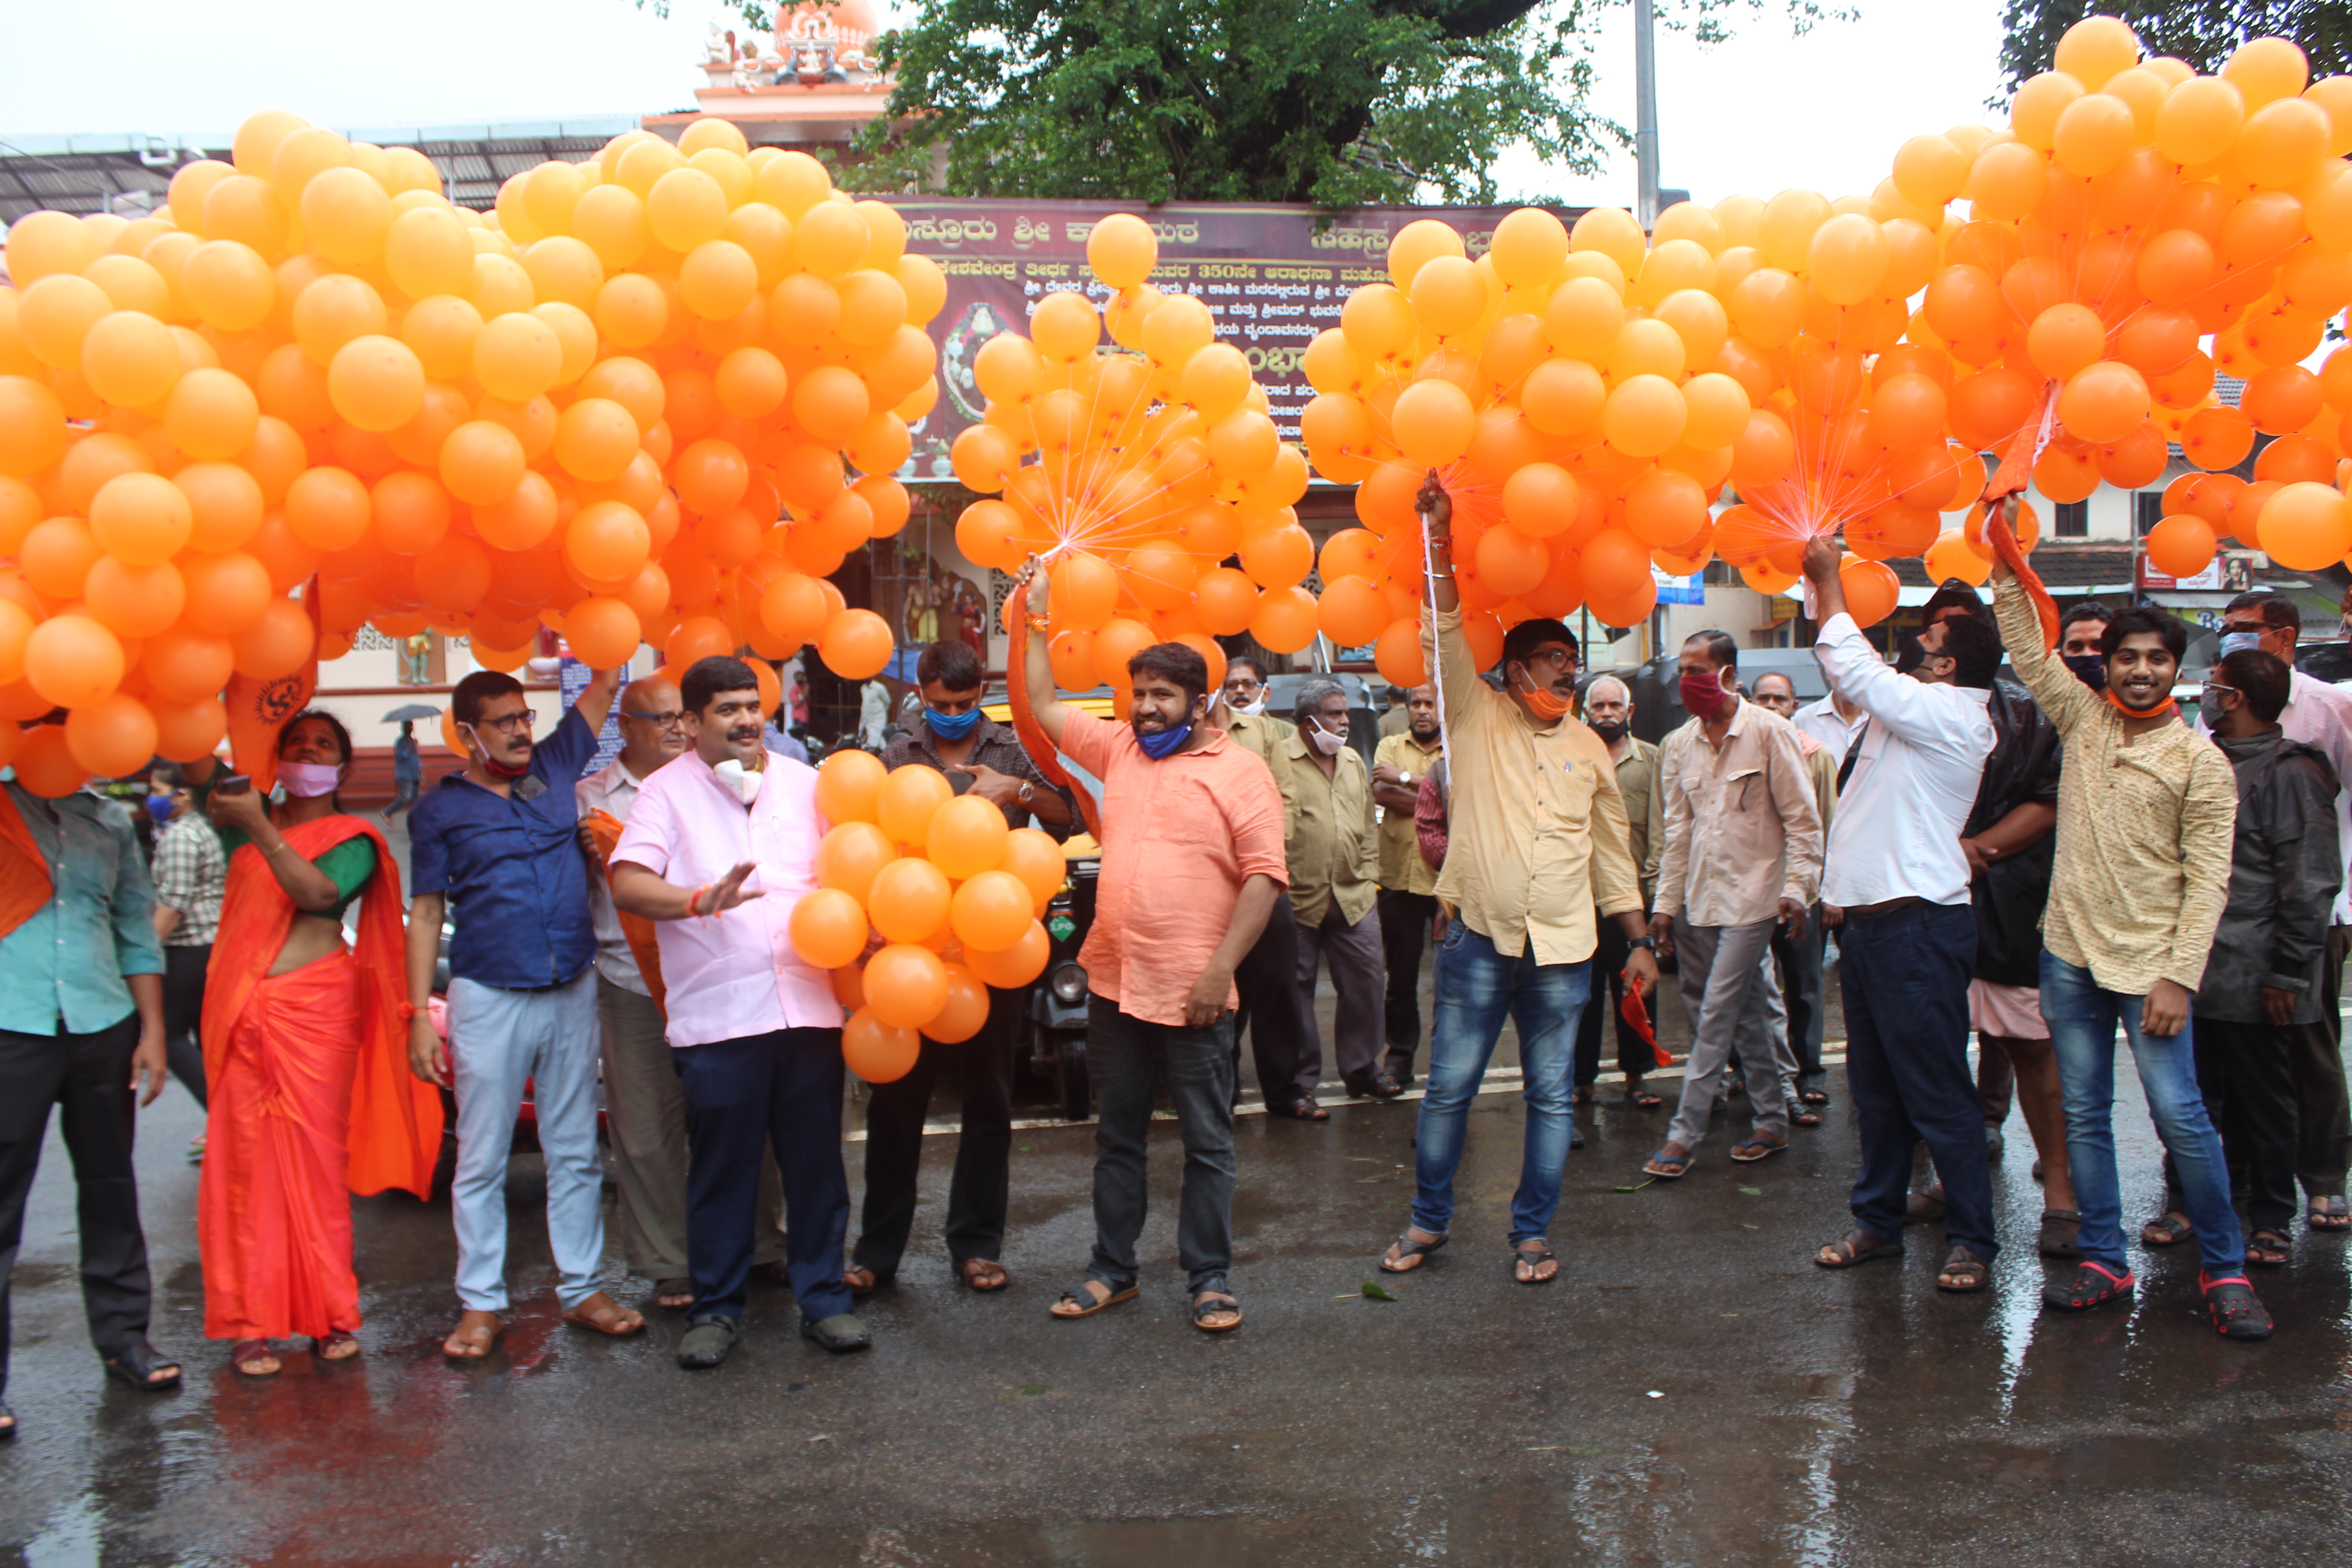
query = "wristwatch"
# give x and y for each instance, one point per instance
(1650, 942)
(1028, 792)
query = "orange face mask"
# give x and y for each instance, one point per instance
(1544, 702)
(2161, 711)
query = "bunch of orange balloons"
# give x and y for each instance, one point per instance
(2133, 213)
(955, 896)
(1136, 475)
(655, 396)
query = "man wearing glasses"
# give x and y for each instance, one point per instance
(499, 841)
(644, 1102)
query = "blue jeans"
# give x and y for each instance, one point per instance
(2083, 1020)
(1476, 988)
(499, 1039)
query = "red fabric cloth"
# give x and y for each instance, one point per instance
(311, 1098)
(24, 884)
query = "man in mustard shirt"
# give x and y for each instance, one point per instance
(1537, 842)
(1408, 902)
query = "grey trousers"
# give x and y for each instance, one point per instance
(1720, 970)
(1358, 989)
(646, 1105)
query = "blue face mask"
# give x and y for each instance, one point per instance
(2239, 642)
(1162, 743)
(951, 726)
(159, 806)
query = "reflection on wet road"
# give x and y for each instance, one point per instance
(1692, 1391)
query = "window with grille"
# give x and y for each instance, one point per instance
(2073, 520)
(2147, 510)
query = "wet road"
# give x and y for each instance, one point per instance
(1692, 1391)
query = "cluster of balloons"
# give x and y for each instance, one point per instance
(1136, 475)
(1590, 395)
(656, 396)
(955, 895)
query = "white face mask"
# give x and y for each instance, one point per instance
(308, 779)
(1325, 741)
(741, 779)
(1252, 710)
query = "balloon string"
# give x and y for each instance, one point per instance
(2017, 458)
(1031, 734)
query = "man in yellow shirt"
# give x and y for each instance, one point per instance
(1536, 843)
(1408, 902)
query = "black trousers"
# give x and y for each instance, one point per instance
(1634, 1057)
(89, 1078)
(1799, 964)
(779, 1090)
(184, 1009)
(1281, 1043)
(977, 1193)
(1405, 920)
(2323, 1139)
(2246, 1073)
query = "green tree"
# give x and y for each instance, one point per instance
(2201, 32)
(1337, 102)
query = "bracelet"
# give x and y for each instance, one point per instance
(408, 1011)
(1040, 623)
(694, 901)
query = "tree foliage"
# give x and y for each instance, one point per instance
(2201, 32)
(1337, 102)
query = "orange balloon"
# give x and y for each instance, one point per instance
(854, 644)
(851, 854)
(908, 800)
(279, 642)
(1031, 854)
(1434, 422)
(1285, 619)
(877, 1052)
(2181, 545)
(967, 836)
(993, 910)
(72, 661)
(134, 600)
(141, 518)
(1016, 965)
(1870, 588)
(828, 929)
(46, 765)
(603, 632)
(112, 737)
(186, 730)
(906, 985)
(848, 789)
(130, 359)
(910, 899)
(965, 1011)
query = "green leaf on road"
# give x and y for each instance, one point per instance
(1753, 1192)
(1377, 1292)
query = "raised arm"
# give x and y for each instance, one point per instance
(1854, 670)
(1038, 666)
(1444, 651)
(595, 704)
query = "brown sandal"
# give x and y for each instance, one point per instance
(340, 1345)
(984, 1276)
(475, 1335)
(246, 1356)
(1971, 1273)
(606, 1316)
(1856, 1245)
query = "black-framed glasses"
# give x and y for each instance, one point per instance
(1557, 657)
(507, 724)
(669, 721)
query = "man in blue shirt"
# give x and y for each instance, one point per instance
(499, 841)
(81, 1025)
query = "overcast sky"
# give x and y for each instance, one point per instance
(1765, 111)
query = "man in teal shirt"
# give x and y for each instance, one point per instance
(81, 1026)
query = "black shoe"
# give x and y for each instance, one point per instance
(1575, 1140)
(1401, 1069)
(136, 1364)
(1372, 1085)
(707, 1341)
(839, 1333)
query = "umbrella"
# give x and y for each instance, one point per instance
(410, 711)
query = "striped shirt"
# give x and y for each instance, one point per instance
(190, 872)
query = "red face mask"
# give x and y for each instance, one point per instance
(1703, 695)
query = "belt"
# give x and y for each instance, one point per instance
(1871, 911)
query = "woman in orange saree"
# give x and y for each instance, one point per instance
(312, 1099)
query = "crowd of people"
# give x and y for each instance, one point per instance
(2041, 858)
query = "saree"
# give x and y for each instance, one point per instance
(311, 1099)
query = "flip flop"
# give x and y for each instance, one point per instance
(1757, 1149)
(1408, 1247)
(1666, 1168)
(965, 1276)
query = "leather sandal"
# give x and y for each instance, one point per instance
(1970, 1272)
(2062, 1233)
(475, 1335)
(706, 1342)
(8, 1423)
(1213, 1302)
(674, 1295)
(1080, 1301)
(1532, 1255)
(1406, 1247)
(840, 1334)
(2329, 1213)
(339, 1345)
(1302, 1109)
(1856, 1245)
(606, 1316)
(137, 1365)
(2167, 1230)
(254, 1358)
(982, 1276)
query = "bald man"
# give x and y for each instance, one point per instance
(644, 1102)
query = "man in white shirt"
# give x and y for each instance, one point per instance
(643, 1104)
(1743, 855)
(1835, 722)
(1908, 945)
(2318, 715)
(720, 847)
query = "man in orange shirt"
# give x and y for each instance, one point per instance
(1192, 865)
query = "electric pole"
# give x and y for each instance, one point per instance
(1645, 115)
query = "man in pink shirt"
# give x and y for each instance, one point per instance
(720, 846)
(1192, 865)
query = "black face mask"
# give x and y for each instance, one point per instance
(2090, 668)
(1611, 732)
(1910, 656)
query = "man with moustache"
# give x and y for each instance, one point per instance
(643, 1104)
(721, 844)
(1408, 899)
(499, 841)
(1192, 864)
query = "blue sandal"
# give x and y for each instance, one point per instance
(1660, 1163)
